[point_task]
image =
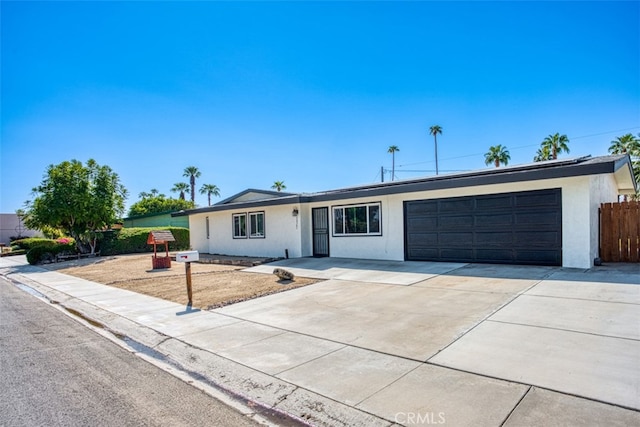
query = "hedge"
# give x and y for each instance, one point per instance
(134, 240)
(39, 250)
(29, 242)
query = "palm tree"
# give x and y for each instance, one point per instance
(152, 193)
(542, 154)
(209, 190)
(497, 154)
(435, 130)
(180, 187)
(625, 144)
(192, 173)
(628, 144)
(393, 150)
(279, 186)
(555, 144)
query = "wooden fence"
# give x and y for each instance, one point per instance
(620, 232)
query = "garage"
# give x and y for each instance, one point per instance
(508, 228)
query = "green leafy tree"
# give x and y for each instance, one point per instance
(180, 187)
(159, 204)
(392, 150)
(192, 173)
(279, 186)
(78, 199)
(555, 144)
(497, 154)
(210, 190)
(435, 130)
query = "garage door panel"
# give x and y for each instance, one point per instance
(494, 202)
(541, 257)
(423, 239)
(456, 222)
(455, 254)
(422, 208)
(520, 228)
(538, 218)
(493, 238)
(493, 255)
(492, 220)
(540, 238)
(453, 205)
(539, 199)
(455, 239)
(423, 223)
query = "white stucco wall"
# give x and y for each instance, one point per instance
(198, 233)
(282, 231)
(603, 189)
(579, 211)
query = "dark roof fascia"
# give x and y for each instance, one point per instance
(253, 190)
(472, 180)
(286, 200)
(535, 172)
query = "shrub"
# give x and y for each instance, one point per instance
(39, 250)
(30, 242)
(134, 240)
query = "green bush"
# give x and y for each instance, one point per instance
(39, 250)
(134, 240)
(30, 242)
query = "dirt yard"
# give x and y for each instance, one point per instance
(214, 285)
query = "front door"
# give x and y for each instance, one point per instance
(320, 226)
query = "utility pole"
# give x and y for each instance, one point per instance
(382, 173)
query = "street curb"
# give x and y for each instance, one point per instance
(250, 389)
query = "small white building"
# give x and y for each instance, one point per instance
(11, 226)
(542, 213)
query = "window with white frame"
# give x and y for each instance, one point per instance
(240, 226)
(357, 220)
(256, 225)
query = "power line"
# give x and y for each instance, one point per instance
(518, 147)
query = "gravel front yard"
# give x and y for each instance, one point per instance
(214, 285)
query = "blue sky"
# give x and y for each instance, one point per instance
(309, 93)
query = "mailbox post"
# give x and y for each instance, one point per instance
(187, 257)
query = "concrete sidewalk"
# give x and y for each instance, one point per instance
(382, 342)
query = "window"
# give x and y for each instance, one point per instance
(207, 226)
(357, 220)
(240, 226)
(256, 225)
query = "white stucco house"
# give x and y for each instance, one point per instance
(542, 213)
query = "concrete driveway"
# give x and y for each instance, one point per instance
(470, 343)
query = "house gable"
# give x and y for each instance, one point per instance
(250, 195)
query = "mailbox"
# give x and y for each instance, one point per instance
(187, 256)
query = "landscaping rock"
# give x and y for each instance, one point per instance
(283, 274)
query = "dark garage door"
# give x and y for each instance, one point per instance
(511, 228)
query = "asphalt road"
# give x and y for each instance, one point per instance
(55, 371)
